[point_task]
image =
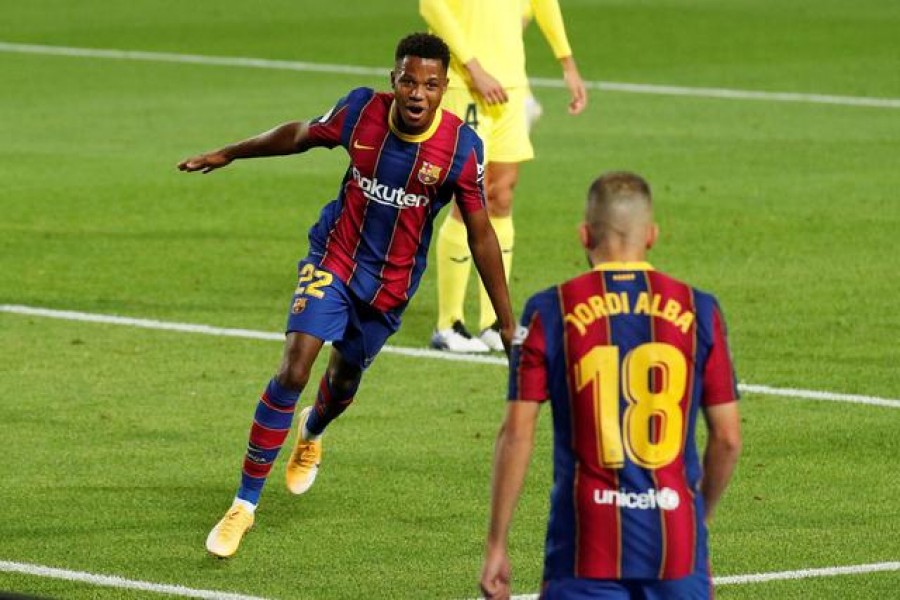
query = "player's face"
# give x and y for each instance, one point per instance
(419, 84)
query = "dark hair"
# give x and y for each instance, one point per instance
(423, 45)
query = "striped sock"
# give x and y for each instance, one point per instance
(271, 424)
(330, 403)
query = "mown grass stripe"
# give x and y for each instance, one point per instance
(70, 315)
(289, 65)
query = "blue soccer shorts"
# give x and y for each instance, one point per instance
(322, 306)
(696, 586)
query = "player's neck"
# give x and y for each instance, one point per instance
(599, 256)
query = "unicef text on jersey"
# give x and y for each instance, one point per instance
(664, 499)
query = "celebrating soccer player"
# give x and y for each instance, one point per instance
(627, 357)
(367, 251)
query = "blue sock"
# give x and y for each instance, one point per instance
(330, 403)
(271, 425)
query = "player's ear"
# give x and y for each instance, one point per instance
(585, 237)
(652, 235)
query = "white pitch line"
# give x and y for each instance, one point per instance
(119, 582)
(185, 592)
(70, 315)
(807, 573)
(289, 65)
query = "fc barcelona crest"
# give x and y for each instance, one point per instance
(429, 173)
(299, 305)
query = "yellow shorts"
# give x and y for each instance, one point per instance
(502, 127)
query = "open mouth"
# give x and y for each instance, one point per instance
(415, 111)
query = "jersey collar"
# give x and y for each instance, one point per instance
(624, 266)
(420, 137)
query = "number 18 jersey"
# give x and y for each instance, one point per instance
(627, 356)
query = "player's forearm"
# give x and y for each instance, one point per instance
(286, 138)
(719, 462)
(489, 262)
(511, 458)
(567, 63)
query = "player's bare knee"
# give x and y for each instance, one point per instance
(500, 200)
(293, 375)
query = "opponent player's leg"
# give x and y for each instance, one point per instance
(453, 258)
(454, 263)
(271, 424)
(510, 146)
(336, 392)
(502, 179)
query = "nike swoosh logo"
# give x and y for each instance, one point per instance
(359, 146)
(460, 260)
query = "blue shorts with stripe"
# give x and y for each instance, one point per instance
(324, 307)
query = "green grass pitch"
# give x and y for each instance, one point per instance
(123, 445)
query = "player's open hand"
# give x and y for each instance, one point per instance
(205, 163)
(575, 84)
(495, 575)
(486, 84)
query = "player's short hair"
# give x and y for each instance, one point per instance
(423, 45)
(619, 185)
(619, 204)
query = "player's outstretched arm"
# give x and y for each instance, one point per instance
(512, 454)
(723, 447)
(288, 138)
(577, 90)
(489, 262)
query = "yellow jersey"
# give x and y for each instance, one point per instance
(491, 31)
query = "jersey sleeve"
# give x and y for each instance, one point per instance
(327, 130)
(549, 18)
(719, 382)
(442, 22)
(470, 194)
(528, 360)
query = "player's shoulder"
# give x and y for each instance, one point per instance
(361, 95)
(543, 300)
(578, 285)
(705, 303)
(451, 119)
(663, 279)
(466, 136)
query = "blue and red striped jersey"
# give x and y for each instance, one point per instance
(627, 356)
(375, 235)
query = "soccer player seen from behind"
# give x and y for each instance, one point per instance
(628, 357)
(489, 90)
(367, 251)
